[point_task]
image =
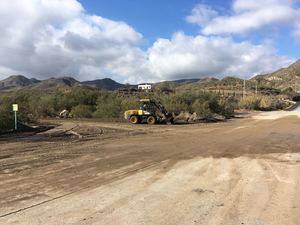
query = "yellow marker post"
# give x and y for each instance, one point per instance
(15, 109)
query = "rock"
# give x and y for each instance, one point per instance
(212, 118)
(183, 116)
(219, 117)
(64, 114)
(193, 117)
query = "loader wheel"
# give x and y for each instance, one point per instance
(151, 120)
(170, 121)
(134, 119)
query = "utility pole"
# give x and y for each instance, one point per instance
(295, 85)
(256, 87)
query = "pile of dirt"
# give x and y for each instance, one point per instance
(94, 131)
(188, 117)
(73, 131)
(25, 129)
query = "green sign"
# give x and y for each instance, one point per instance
(15, 107)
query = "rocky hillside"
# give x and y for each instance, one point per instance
(105, 83)
(17, 81)
(52, 83)
(20, 82)
(211, 83)
(283, 78)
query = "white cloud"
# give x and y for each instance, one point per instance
(249, 15)
(44, 38)
(200, 56)
(201, 14)
(54, 38)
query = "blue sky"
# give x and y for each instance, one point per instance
(147, 40)
(161, 18)
(153, 18)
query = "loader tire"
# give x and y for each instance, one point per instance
(170, 121)
(151, 120)
(134, 120)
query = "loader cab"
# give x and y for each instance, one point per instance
(148, 106)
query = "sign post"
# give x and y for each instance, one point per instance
(15, 109)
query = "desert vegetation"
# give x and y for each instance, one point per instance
(83, 102)
(101, 99)
(262, 102)
(93, 103)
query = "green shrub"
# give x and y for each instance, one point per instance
(266, 103)
(45, 106)
(6, 117)
(108, 106)
(202, 108)
(262, 102)
(129, 103)
(82, 111)
(227, 107)
(251, 102)
(174, 104)
(86, 102)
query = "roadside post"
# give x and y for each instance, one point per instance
(15, 109)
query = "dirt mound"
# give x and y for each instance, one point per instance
(25, 130)
(194, 118)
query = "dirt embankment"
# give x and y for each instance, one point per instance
(245, 171)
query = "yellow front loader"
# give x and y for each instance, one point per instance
(150, 112)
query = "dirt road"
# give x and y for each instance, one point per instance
(245, 171)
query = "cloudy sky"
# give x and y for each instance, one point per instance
(149, 40)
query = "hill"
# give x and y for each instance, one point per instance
(106, 83)
(52, 83)
(20, 82)
(283, 78)
(211, 83)
(17, 81)
(280, 80)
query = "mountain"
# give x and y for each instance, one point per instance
(207, 82)
(170, 85)
(282, 78)
(17, 81)
(231, 81)
(105, 83)
(279, 80)
(61, 82)
(185, 81)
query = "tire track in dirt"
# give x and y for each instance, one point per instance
(204, 175)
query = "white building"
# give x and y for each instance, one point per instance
(144, 86)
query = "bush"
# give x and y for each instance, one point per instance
(129, 103)
(202, 108)
(266, 103)
(108, 106)
(85, 102)
(6, 117)
(174, 103)
(227, 107)
(250, 102)
(203, 103)
(45, 106)
(262, 102)
(82, 111)
(6, 113)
